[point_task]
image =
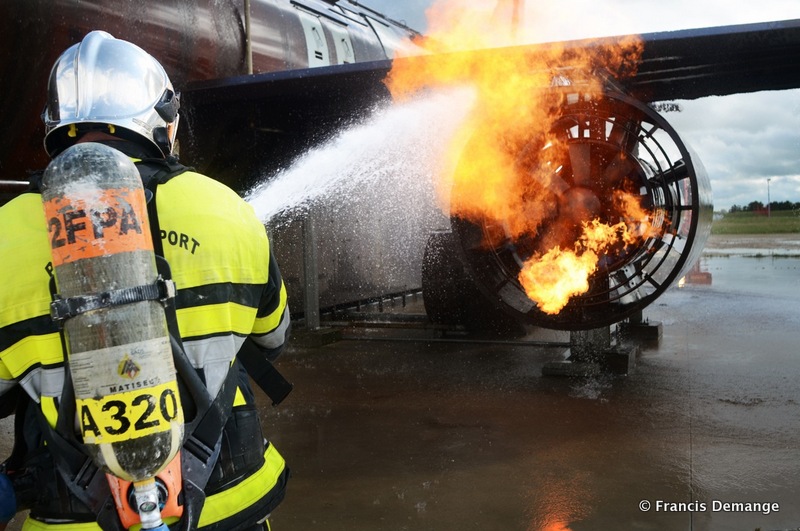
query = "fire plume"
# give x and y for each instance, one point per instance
(551, 279)
(511, 178)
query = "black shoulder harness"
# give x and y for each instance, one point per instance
(162, 170)
(153, 173)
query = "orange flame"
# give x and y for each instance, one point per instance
(508, 175)
(553, 278)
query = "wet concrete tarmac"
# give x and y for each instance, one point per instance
(392, 428)
(415, 434)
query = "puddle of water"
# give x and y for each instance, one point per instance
(773, 276)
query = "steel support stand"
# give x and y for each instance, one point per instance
(592, 352)
(314, 335)
(311, 274)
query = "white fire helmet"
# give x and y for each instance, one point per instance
(109, 85)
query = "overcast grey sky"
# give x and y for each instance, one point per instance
(742, 140)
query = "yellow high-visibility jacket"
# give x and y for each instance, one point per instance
(229, 289)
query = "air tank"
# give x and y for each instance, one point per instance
(110, 304)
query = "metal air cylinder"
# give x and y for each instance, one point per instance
(127, 402)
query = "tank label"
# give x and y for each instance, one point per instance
(129, 415)
(126, 391)
(106, 222)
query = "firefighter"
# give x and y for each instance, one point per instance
(231, 312)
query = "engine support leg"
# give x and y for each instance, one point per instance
(641, 330)
(592, 352)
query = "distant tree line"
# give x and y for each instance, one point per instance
(758, 206)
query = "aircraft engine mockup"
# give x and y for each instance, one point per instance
(617, 163)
